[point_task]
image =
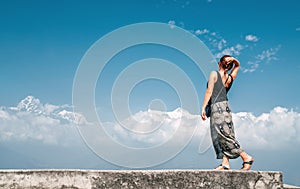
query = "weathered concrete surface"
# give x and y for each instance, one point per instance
(287, 186)
(72, 179)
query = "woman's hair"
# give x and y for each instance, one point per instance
(226, 66)
(223, 57)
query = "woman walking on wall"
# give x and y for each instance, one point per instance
(216, 106)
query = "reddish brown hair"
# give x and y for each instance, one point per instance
(223, 57)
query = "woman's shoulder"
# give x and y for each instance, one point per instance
(214, 72)
(213, 76)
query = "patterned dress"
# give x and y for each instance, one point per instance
(221, 125)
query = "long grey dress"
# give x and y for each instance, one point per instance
(221, 125)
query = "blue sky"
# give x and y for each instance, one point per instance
(43, 42)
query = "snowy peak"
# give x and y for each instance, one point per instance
(71, 117)
(30, 104)
(63, 113)
(181, 113)
(178, 113)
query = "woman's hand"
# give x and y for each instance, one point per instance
(211, 82)
(203, 114)
(230, 59)
(236, 67)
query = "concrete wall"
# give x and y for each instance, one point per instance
(138, 179)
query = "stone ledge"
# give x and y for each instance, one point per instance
(82, 179)
(287, 186)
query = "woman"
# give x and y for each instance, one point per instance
(221, 125)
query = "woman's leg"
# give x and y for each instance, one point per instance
(225, 164)
(247, 159)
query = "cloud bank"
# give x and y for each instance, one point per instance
(56, 125)
(31, 120)
(280, 128)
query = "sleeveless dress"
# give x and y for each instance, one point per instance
(221, 125)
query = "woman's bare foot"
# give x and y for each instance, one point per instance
(247, 164)
(222, 167)
(247, 161)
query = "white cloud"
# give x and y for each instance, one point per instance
(172, 24)
(233, 51)
(4, 115)
(56, 125)
(24, 126)
(274, 130)
(252, 67)
(201, 32)
(217, 44)
(265, 56)
(32, 120)
(221, 44)
(152, 128)
(269, 54)
(251, 38)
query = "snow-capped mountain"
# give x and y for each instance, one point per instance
(181, 113)
(30, 104)
(65, 113)
(33, 105)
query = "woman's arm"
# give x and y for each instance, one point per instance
(208, 93)
(236, 67)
